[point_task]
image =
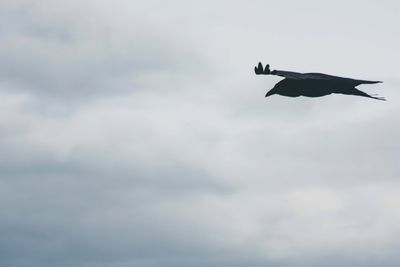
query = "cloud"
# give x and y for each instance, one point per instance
(135, 134)
(51, 51)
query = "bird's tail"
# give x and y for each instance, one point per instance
(355, 91)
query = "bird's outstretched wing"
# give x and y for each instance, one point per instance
(310, 76)
(260, 70)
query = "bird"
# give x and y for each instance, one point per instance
(313, 84)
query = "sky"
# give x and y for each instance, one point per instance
(135, 133)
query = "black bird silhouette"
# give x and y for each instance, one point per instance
(313, 84)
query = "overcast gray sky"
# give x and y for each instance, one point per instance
(135, 133)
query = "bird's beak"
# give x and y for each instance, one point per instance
(270, 92)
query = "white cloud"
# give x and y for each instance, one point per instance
(135, 133)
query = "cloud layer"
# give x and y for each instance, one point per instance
(134, 133)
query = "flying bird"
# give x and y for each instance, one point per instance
(313, 84)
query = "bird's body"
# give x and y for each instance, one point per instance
(313, 84)
(310, 88)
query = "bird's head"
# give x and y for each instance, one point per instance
(283, 87)
(273, 91)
